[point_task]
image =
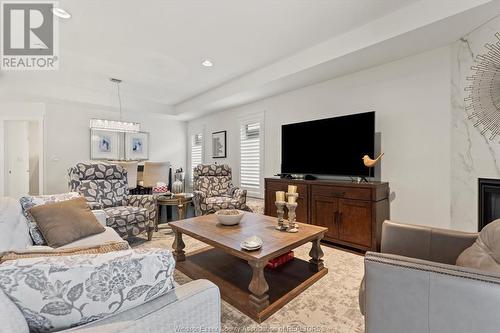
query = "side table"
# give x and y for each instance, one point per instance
(181, 201)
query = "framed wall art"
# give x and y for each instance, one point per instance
(219, 149)
(137, 146)
(104, 145)
(482, 103)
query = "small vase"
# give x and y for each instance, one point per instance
(178, 187)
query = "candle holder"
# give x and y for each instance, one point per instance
(292, 195)
(280, 205)
(292, 224)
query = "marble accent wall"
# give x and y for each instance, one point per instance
(473, 155)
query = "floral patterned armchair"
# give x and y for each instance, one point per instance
(105, 187)
(213, 190)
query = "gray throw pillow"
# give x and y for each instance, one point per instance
(484, 254)
(28, 202)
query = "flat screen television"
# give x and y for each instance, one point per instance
(333, 146)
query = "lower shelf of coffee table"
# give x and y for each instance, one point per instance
(232, 275)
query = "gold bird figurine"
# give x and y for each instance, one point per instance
(370, 163)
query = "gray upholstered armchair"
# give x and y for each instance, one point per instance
(413, 285)
(105, 187)
(213, 189)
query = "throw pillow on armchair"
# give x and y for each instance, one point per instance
(484, 254)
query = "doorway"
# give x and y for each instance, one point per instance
(22, 149)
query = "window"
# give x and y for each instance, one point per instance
(250, 157)
(196, 151)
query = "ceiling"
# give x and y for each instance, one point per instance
(156, 47)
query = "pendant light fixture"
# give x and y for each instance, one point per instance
(115, 125)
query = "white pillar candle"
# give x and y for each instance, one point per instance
(291, 199)
(280, 196)
(292, 189)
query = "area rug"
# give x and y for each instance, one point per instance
(329, 305)
(256, 205)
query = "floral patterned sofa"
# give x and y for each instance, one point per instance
(105, 187)
(214, 190)
(37, 293)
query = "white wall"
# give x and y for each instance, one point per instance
(473, 155)
(68, 142)
(412, 99)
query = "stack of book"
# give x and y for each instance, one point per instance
(281, 260)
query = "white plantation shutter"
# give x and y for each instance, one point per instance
(196, 151)
(250, 157)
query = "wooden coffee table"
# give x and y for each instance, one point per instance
(242, 276)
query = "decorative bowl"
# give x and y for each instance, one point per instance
(229, 216)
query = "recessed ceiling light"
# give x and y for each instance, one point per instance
(59, 12)
(207, 63)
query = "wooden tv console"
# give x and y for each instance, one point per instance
(352, 212)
